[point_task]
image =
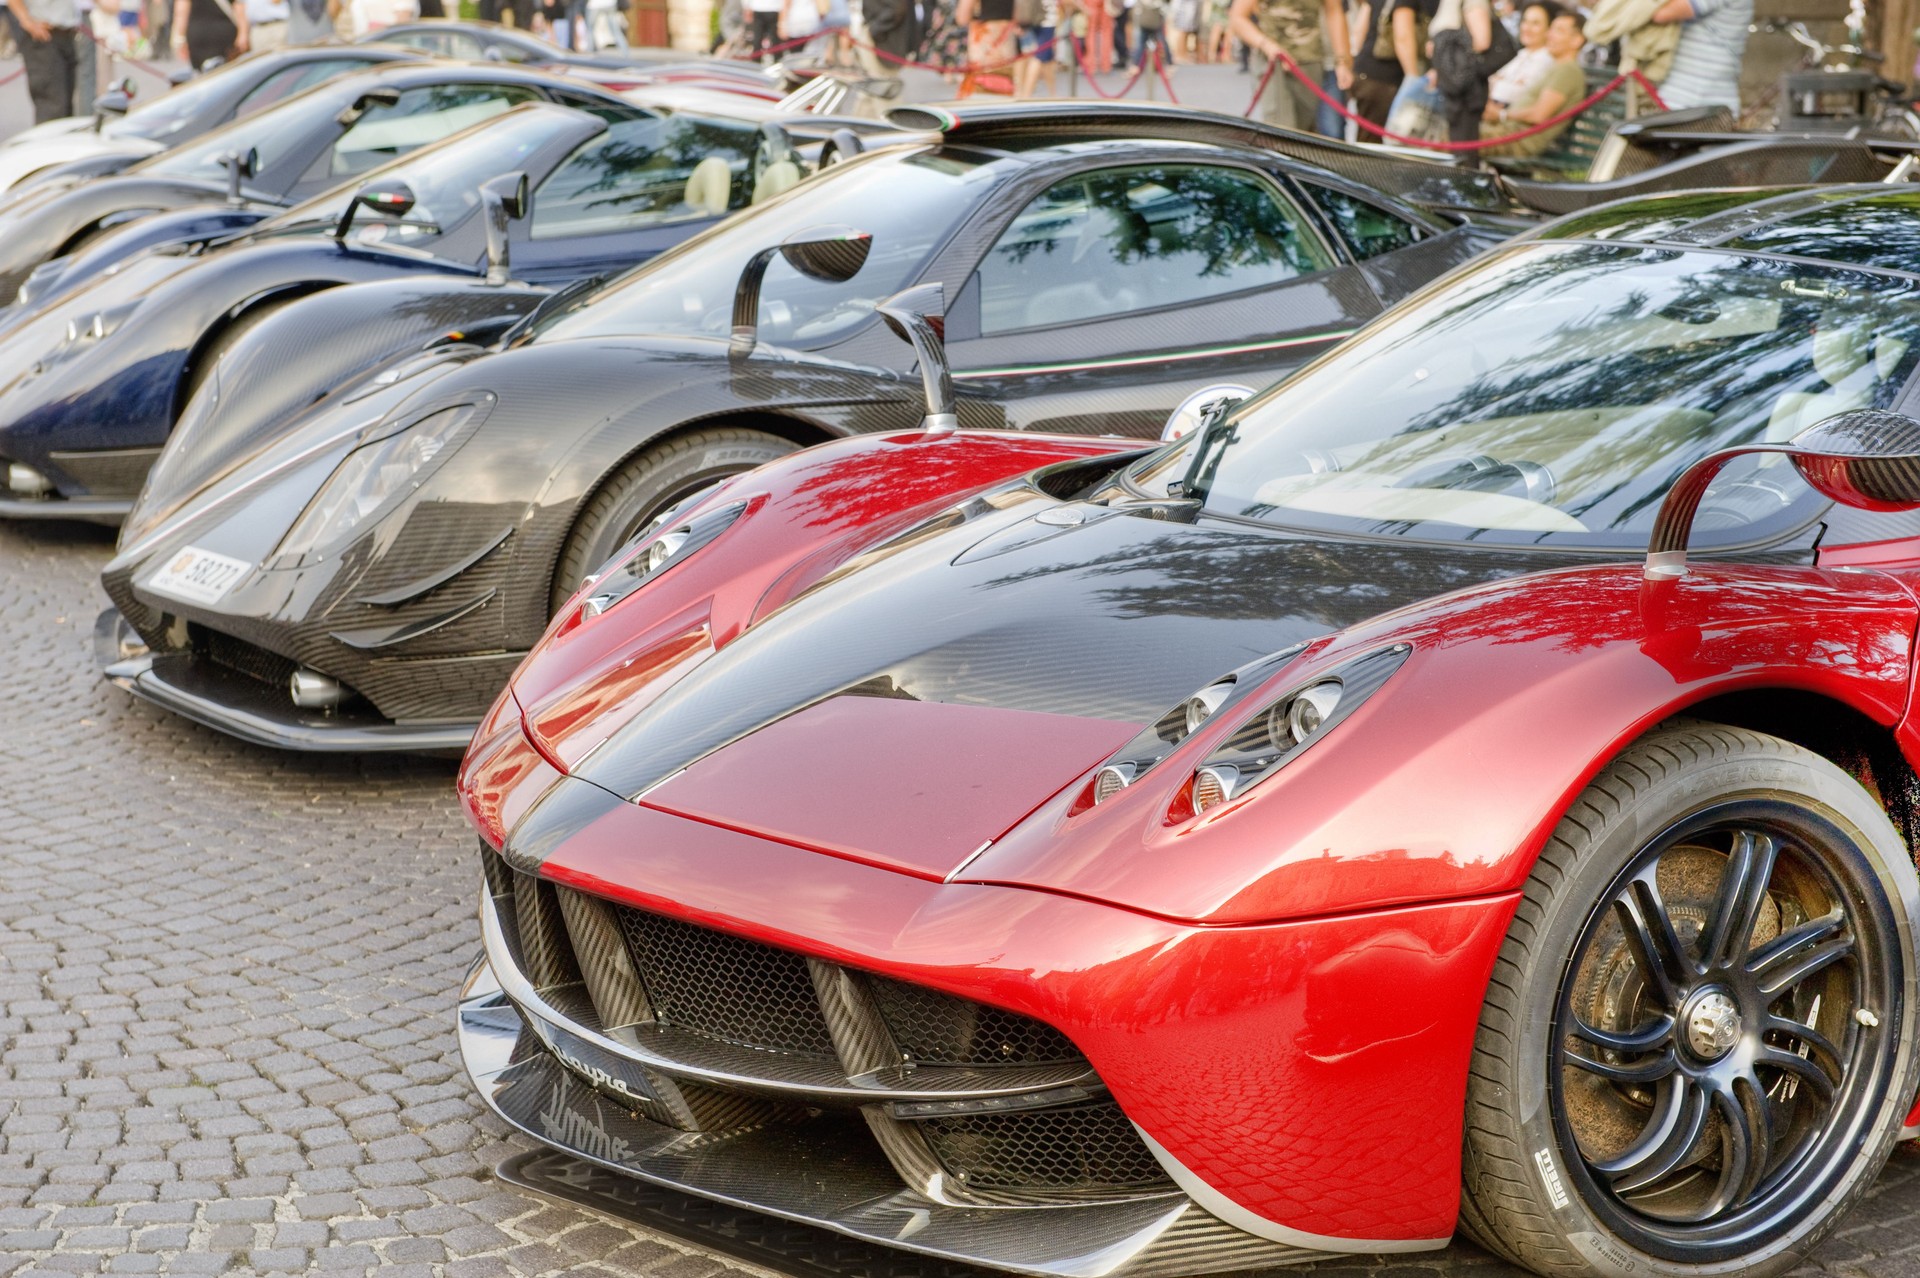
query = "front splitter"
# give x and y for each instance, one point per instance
(824, 1176)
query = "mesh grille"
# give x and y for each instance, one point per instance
(1080, 1147)
(938, 1029)
(238, 654)
(727, 988)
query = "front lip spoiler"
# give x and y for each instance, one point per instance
(800, 1174)
(111, 511)
(172, 682)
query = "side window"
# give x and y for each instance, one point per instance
(420, 116)
(296, 79)
(1367, 230)
(647, 173)
(1113, 241)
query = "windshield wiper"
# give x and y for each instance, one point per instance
(1216, 432)
(552, 304)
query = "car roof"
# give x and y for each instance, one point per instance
(1866, 226)
(413, 72)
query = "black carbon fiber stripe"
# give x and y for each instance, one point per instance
(604, 964)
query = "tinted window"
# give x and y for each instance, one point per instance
(1883, 232)
(419, 117)
(282, 85)
(1555, 394)
(1120, 240)
(276, 133)
(170, 113)
(1367, 230)
(908, 203)
(446, 44)
(642, 173)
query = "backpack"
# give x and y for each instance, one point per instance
(1149, 15)
(1383, 32)
(1501, 51)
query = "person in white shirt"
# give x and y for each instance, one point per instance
(763, 29)
(1516, 81)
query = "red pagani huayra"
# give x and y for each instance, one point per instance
(1046, 854)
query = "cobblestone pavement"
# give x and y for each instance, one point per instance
(226, 989)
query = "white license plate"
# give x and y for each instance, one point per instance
(198, 576)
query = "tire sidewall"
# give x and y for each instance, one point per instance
(1808, 781)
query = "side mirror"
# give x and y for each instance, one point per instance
(1868, 459)
(502, 200)
(394, 199)
(382, 97)
(241, 166)
(1191, 411)
(831, 254)
(918, 316)
(117, 100)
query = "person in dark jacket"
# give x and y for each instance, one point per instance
(895, 28)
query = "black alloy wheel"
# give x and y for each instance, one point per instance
(1697, 1047)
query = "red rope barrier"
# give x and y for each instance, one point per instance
(1080, 56)
(1293, 68)
(1160, 69)
(5, 80)
(964, 68)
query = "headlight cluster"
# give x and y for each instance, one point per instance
(1266, 740)
(376, 476)
(675, 545)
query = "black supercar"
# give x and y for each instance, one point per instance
(391, 554)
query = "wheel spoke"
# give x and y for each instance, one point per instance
(1817, 1043)
(1743, 891)
(1651, 1070)
(1800, 1067)
(1670, 1135)
(1795, 955)
(1656, 946)
(1655, 1033)
(1746, 1142)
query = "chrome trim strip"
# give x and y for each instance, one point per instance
(1173, 357)
(1212, 1200)
(806, 1079)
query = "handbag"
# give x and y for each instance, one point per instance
(1030, 13)
(1383, 35)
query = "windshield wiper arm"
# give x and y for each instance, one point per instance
(1216, 432)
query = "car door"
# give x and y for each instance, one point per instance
(633, 191)
(1117, 291)
(422, 116)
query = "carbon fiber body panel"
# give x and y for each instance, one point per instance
(567, 413)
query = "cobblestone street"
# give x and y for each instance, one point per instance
(226, 994)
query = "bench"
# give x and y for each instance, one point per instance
(1572, 152)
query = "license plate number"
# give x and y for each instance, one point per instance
(198, 576)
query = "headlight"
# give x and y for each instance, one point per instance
(673, 546)
(375, 477)
(1269, 741)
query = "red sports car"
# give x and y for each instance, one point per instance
(1354, 820)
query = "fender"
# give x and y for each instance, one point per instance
(806, 513)
(195, 225)
(342, 335)
(124, 390)
(39, 226)
(1516, 694)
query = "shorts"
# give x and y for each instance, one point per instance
(1037, 38)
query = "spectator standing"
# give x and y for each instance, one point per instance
(1037, 42)
(1150, 17)
(896, 28)
(1706, 62)
(311, 21)
(1564, 85)
(267, 24)
(86, 56)
(763, 31)
(1099, 51)
(1120, 12)
(1419, 109)
(207, 29)
(1389, 53)
(1185, 17)
(1646, 46)
(992, 40)
(45, 32)
(1297, 28)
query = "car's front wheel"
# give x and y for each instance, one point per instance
(650, 483)
(1697, 1046)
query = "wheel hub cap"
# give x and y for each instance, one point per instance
(1713, 1025)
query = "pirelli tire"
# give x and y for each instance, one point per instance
(650, 483)
(1713, 956)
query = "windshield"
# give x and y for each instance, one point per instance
(445, 178)
(1554, 395)
(908, 203)
(162, 118)
(274, 133)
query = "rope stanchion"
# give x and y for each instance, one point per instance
(1080, 56)
(1293, 69)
